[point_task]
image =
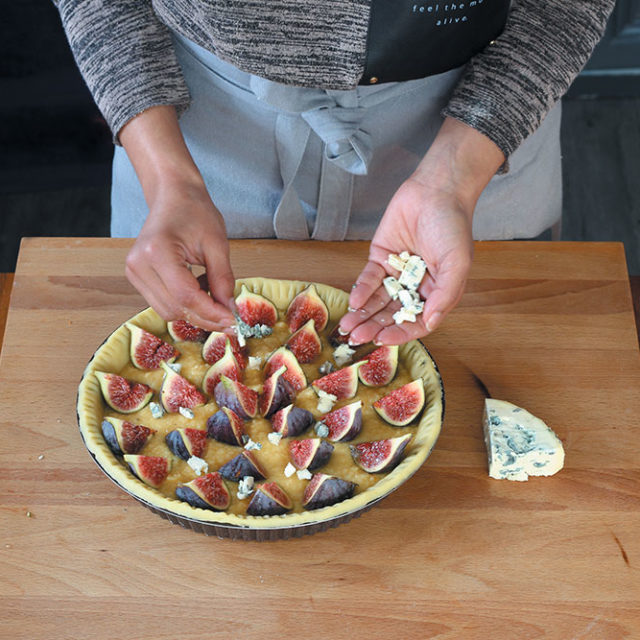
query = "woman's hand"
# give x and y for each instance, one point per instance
(183, 227)
(431, 216)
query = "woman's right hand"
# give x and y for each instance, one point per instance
(183, 228)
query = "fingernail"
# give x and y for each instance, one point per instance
(341, 332)
(378, 343)
(433, 321)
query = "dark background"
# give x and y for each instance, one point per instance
(55, 150)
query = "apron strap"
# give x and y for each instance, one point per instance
(334, 202)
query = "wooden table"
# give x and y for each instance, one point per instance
(451, 554)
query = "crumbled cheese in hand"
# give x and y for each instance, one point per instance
(157, 410)
(343, 354)
(304, 474)
(198, 465)
(254, 362)
(392, 286)
(413, 272)
(395, 262)
(274, 438)
(321, 429)
(289, 470)
(403, 315)
(251, 445)
(186, 412)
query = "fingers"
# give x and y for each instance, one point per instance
(220, 278)
(376, 302)
(366, 284)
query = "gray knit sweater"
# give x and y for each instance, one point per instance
(124, 51)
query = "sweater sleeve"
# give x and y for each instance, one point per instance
(507, 90)
(125, 55)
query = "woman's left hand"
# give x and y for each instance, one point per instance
(431, 216)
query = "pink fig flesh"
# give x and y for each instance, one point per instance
(311, 453)
(152, 470)
(226, 366)
(380, 456)
(148, 351)
(125, 437)
(183, 331)
(381, 366)
(122, 395)
(305, 343)
(402, 406)
(343, 383)
(307, 305)
(215, 346)
(345, 423)
(294, 373)
(255, 309)
(177, 392)
(205, 492)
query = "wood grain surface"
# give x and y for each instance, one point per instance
(452, 554)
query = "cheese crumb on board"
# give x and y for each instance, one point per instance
(245, 487)
(157, 410)
(274, 438)
(186, 412)
(303, 474)
(518, 444)
(289, 470)
(254, 362)
(343, 354)
(325, 401)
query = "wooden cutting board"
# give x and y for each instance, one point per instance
(451, 554)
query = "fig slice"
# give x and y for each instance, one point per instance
(183, 331)
(123, 395)
(125, 437)
(402, 406)
(215, 346)
(294, 373)
(381, 366)
(276, 393)
(291, 421)
(226, 366)
(305, 343)
(255, 309)
(187, 442)
(305, 306)
(379, 456)
(148, 351)
(343, 383)
(177, 392)
(345, 423)
(269, 500)
(242, 400)
(324, 490)
(152, 470)
(226, 426)
(244, 464)
(205, 492)
(311, 453)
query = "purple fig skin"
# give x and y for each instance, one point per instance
(225, 397)
(188, 495)
(176, 445)
(263, 505)
(109, 434)
(219, 428)
(297, 422)
(321, 456)
(284, 395)
(330, 491)
(239, 467)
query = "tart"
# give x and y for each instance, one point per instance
(324, 445)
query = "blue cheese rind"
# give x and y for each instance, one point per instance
(518, 444)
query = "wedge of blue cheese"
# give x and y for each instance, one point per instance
(519, 445)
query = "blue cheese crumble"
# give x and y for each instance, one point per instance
(518, 444)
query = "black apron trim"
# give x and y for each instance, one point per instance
(411, 40)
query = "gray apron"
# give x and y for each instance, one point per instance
(296, 163)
